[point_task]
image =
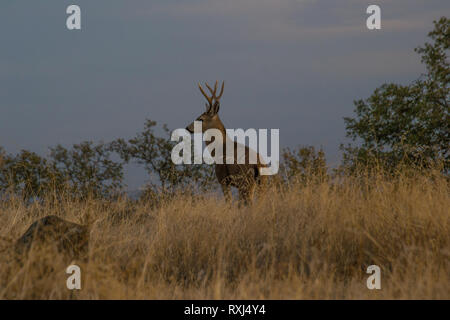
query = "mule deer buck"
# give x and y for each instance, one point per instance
(245, 177)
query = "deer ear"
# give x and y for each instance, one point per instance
(216, 107)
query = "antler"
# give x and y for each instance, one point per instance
(221, 90)
(206, 96)
(213, 93)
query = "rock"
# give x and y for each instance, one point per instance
(68, 238)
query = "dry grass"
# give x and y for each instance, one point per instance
(310, 241)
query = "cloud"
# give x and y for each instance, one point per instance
(292, 20)
(216, 8)
(382, 63)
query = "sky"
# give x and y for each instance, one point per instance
(294, 65)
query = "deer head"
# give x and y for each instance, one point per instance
(210, 118)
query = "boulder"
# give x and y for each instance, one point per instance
(66, 237)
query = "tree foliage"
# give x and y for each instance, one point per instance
(87, 169)
(83, 170)
(303, 163)
(154, 153)
(26, 174)
(407, 123)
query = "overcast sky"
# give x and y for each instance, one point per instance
(296, 65)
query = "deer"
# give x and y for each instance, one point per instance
(245, 177)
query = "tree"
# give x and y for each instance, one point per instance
(154, 153)
(87, 169)
(26, 174)
(398, 124)
(303, 164)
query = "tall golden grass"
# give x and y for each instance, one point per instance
(305, 240)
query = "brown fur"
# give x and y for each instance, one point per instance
(245, 177)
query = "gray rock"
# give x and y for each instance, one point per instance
(68, 238)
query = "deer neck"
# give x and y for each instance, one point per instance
(219, 126)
